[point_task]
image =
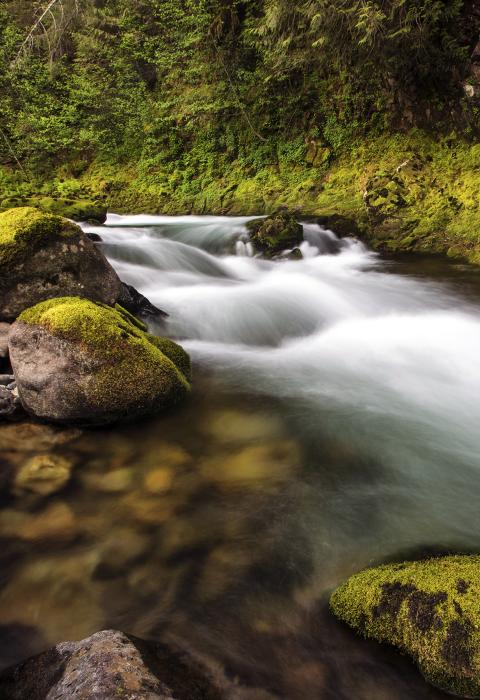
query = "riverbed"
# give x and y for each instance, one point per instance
(333, 424)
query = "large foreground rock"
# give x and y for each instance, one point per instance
(43, 256)
(106, 666)
(428, 609)
(276, 233)
(84, 363)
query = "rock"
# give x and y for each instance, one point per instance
(111, 664)
(43, 256)
(10, 405)
(428, 609)
(43, 475)
(122, 548)
(159, 481)
(94, 237)
(89, 210)
(34, 437)
(115, 481)
(6, 379)
(56, 522)
(80, 362)
(4, 329)
(233, 426)
(276, 233)
(137, 304)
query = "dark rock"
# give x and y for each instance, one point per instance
(95, 237)
(6, 379)
(276, 233)
(10, 405)
(340, 225)
(110, 665)
(4, 328)
(137, 304)
(44, 256)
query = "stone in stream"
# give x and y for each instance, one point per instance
(111, 664)
(428, 609)
(276, 233)
(84, 363)
(28, 436)
(4, 329)
(43, 475)
(43, 256)
(137, 304)
(10, 405)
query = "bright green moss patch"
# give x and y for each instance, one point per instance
(428, 609)
(130, 366)
(24, 230)
(175, 353)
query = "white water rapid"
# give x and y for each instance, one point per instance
(384, 365)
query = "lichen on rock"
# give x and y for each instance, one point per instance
(428, 609)
(76, 361)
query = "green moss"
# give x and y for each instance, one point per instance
(175, 353)
(24, 230)
(428, 609)
(131, 362)
(276, 233)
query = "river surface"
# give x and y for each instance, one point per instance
(333, 425)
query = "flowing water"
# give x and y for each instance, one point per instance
(333, 424)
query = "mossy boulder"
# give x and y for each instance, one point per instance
(428, 609)
(89, 210)
(276, 233)
(78, 362)
(43, 256)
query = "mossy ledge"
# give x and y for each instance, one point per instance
(428, 609)
(25, 230)
(119, 369)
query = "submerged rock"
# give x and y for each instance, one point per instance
(80, 362)
(34, 437)
(428, 609)
(43, 256)
(111, 664)
(43, 474)
(276, 233)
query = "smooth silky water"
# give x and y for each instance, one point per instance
(333, 424)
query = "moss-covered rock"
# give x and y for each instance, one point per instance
(44, 256)
(276, 233)
(93, 211)
(80, 362)
(428, 609)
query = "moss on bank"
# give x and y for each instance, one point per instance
(405, 192)
(428, 609)
(130, 365)
(24, 230)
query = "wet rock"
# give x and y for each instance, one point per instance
(43, 475)
(122, 548)
(428, 609)
(4, 329)
(95, 237)
(137, 304)
(159, 481)
(231, 426)
(253, 466)
(276, 233)
(7, 379)
(45, 587)
(10, 405)
(43, 256)
(34, 437)
(84, 363)
(146, 510)
(116, 481)
(111, 664)
(57, 522)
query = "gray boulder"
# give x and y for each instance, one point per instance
(43, 256)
